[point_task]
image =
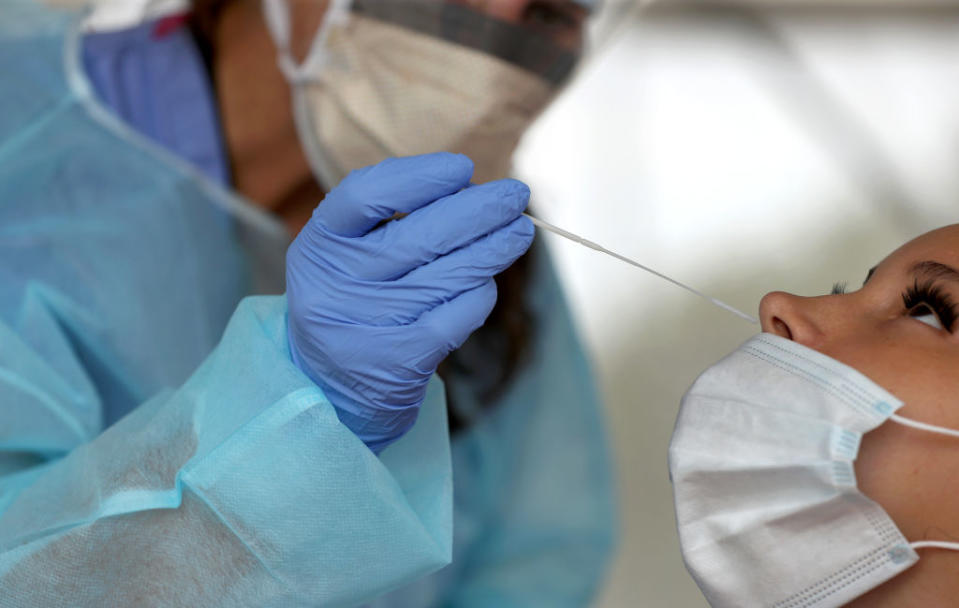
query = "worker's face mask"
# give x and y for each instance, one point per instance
(389, 79)
(761, 462)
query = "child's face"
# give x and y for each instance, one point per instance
(913, 474)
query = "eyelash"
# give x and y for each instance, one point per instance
(928, 295)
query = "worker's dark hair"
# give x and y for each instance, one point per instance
(497, 351)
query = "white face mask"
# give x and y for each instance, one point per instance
(401, 78)
(761, 462)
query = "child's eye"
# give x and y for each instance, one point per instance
(930, 304)
(924, 314)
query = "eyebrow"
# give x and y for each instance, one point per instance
(935, 270)
(929, 268)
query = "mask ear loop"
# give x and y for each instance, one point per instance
(922, 426)
(277, 16)
(338, 13)
(934, 544)
(276, 13)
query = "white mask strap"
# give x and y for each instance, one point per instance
(601, 249)
(277, 16)
(338, 13)
(934, 544)
(923, 426)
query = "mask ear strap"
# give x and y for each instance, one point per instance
(277, 16)
(337, 13)
(922, 426)
(934, 544)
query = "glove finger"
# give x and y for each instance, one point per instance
(448, 325)
(404, 300)
(470, 266)
(444, 226)
(397, 185)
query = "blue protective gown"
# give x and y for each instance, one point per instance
(231, 482)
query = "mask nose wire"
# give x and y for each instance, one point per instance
(591, 245)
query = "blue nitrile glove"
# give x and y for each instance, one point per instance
(374, 310)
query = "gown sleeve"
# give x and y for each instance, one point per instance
(238, 488)
(157, 445)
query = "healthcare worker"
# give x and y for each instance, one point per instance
(301, 455)
(817, 463)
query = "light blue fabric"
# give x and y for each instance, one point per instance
(234, 484)
(156, 82)
(240, 488)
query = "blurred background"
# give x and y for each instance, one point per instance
(742, 149)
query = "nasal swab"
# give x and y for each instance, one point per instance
(601, 249)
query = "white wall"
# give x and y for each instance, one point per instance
(742, 152)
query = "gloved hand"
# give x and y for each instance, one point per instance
(374, 310)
